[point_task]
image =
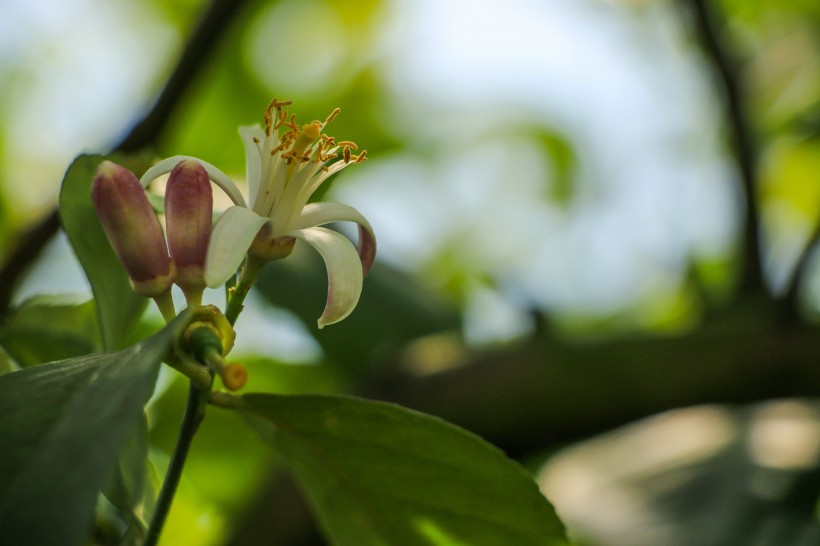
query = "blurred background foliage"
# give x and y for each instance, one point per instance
(553, 171)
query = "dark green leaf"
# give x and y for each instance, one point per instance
(62, 426)
(401, 308)
(118, 306)
(7, 363)
(46, 329)
(128, 481)
(379, 474)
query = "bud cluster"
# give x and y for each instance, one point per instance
(135, 233)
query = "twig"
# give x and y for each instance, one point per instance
(29, 246)
(212, 27)
(742, 139)
(203, 41)
(194, 414)
(789, 301)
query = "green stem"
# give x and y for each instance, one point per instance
(226, 400)
(191, 369)
(194, 414)
(193, 297)
(238, 293)
(165, 302)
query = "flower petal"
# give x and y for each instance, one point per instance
(253, 136)
(218, 177)
(344, 272)
(317, 214)
(232, 235)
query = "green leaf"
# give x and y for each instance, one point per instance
(47, 328)
(63, 425)
(379, 474)
(127, 484)
(7, 363)
(564, 162)
(118, 306)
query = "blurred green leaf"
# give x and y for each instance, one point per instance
(564, 163)
(117, 305)
(47, 329)
(62, 426)
(380, 474)
(266, 375)
(393, 309)
(7, 363)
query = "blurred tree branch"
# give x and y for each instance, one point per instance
(708, 21)
(790, 300)
(550, 391)
(213, 25)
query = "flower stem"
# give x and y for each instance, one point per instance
(194, 414)
(190, 368)
(238, 293)
(165, 302)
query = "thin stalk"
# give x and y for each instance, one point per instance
(238, 293)
(165, 303)
(194, 414)
(198, 375)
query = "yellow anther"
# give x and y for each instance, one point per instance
(281, 116)
(332, 115)
(361, 157)
(325, 156)
(268, 122)
(350, 144)
(292, 123)
(347, 154)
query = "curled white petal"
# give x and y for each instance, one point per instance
(219, 178)
(344, 271)
(317, 214)
(231, 237)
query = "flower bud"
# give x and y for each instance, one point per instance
(133, 229)
(188, 219)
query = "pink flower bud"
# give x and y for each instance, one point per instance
(133, 229)
(188, 218)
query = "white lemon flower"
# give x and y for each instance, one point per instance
(286, 164)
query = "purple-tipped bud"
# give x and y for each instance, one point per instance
(188, 217)
(133, 229)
